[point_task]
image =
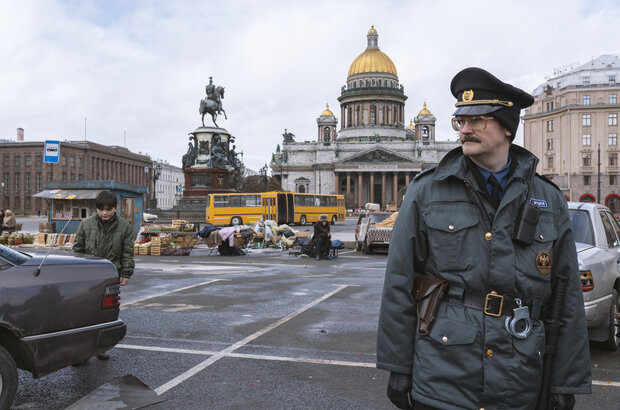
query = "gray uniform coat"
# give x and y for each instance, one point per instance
(447, 228)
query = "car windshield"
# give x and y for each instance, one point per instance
(16, 258)
(582, 226)
(374, 218)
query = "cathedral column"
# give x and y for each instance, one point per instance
(372, 187)
(383, 190)
(395, 188)
(359, 189)
(348, 182)
(407, 179)
(336, 183)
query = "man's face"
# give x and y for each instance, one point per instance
(107, 213)
(486, 139)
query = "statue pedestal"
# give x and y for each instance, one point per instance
(201, 181)
(205, 137)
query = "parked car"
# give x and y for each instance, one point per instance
(367, 236)
(54, 311)
(597, 238)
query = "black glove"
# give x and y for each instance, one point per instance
(562, 401)
(398, 390)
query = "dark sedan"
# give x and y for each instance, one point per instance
(54, 311)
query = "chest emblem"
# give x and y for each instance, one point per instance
(543, 262)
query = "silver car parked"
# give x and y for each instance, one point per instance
(597, 237)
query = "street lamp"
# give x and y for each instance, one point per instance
(156, 175)
(263, 172)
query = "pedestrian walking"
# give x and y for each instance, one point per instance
(480, 248)
(108, 236)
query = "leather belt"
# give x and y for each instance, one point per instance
(492, 303)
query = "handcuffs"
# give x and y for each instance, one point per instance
(520, 324)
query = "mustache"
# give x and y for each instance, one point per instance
(469, 138)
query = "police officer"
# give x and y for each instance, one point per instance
(457, 223)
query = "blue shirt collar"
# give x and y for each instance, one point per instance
(501, 176)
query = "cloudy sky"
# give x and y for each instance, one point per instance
(140, 67)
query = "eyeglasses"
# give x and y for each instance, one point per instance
(477, 123)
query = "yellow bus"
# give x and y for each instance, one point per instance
(282, 207)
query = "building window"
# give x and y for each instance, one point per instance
(586, 100)
(72, 161)
(613, 119)
(64, 176)
(18, 160)
(550, 106)
(64, 161)
(586, 120)
(7, 181)
(585, 81)
(39, 181)
(79, 162)
(7, 161)
(72, 176)
(27, 182)
(586, 160)
(586, 179)
(49, 176)
(550, 125)
(39, 160)
(585, 140)
(613, 138)
(18, 178)
(373, 115)
(549, 144)
(613, 180)
(28, 160)
(550, 162)
(612, 79)
(613, 99)
(80, 177)
(613, 159)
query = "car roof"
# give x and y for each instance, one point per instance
(586, 205)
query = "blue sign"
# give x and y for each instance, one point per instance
(52, 151)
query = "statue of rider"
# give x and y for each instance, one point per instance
(212, 95)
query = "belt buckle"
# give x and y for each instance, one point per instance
(489, 298)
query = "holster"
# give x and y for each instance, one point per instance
(428, 292)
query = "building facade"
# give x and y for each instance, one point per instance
(368, 154)
(573, 120)
(170, 180)
(24, 171)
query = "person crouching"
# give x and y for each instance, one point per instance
(322, 238)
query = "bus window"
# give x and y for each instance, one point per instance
(252, 200)
(236, 201)
(220, 201)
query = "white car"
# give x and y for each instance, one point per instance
(597, 237)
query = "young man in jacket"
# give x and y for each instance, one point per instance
(108, 236)
(457, 223)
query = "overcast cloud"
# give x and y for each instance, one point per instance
(141, 67)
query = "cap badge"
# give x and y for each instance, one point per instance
(468, 95)
(543, 262)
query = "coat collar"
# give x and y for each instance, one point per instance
(454, 164)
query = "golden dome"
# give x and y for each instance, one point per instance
(327, 111)
(425, 111)
(411, 126)
(372, 60)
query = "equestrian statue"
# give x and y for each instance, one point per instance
(213, 103)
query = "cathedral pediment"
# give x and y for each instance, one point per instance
(376, 156)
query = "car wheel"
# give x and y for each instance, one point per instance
(302, 220)
(236, 220)
(333, 219)
(612, 342)
(8, 379)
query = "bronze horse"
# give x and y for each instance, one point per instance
(213, 106)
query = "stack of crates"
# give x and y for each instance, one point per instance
(158, 243)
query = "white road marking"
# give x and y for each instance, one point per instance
(208, 362)
(125, 304)
(602, 383)
(248, 356)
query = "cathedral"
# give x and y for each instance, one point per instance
(370, 154)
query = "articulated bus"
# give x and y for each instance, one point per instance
(282, 207)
